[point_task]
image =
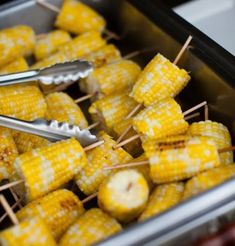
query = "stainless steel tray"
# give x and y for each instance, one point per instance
(144, 24)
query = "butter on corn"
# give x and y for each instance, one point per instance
(160, 79)
(208, 180)
(160, 120)
(163, 198)
(17, 65)
(48, 168)
(59, 210)
(124, 195)
(78, 18)
(92, 175)
(91, 227)
(218, 132)
(61, 107)
(49, 44)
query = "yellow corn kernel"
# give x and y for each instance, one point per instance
(134, 148)
(124, 195)
(208, 180)
(113, 78)
(62, 107)
(218, 132)
(18, 65)
(111, 109)
(89, 179)
(78, 18)
(25, 102)
(91, 227)
(160, 120)
(48, 168)
(49, 44)
(180, 157)
(26, 142)
(30, 232)
(163, 198)
(8, 153)
(160, 79)
(59, 210)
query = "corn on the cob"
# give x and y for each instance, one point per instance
(62, 107)
(113, 78)
(180, 157)
(111, 109)
(160, 120)
(93, 174)
(160, 79)
(47, 168)
(91, 227)
(22, 101)
(59, 209)
(49, 44)
(18, 65)
(208, 179)
(30, 232)
(163, 197)
(78, 18)
(124, 195)
(8, 153)
(218, 132)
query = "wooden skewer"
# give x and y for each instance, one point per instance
(123, 134)
(195, 108)
(89, 198)
(227, 149)
(192, 116)
(94, 145)
(132, 113)
(8, 210)
(12, 184)
(15, 197)
(206, 112)
(84, 98)
(92, 126)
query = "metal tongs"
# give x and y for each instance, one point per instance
(59, 73)
(51, 130)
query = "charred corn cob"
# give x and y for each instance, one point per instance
(48, 168)
(62, 107)
(111, 109)
(78, 18)
(180, 157)
(22, 101)
(163, 197)
(113, 78)
(160, 120)
(49, 44)
(30, 232)
(18, 65)
(58, 209)
(89, 179)
(124, 195)
(160, 79)
(90, 228)
(218, 132)
(208, 179)
(8, 153)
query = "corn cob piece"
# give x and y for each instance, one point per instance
(113, 78)
(180, 157)
(124, 195)
(48, 168)
(31, 232)
(49, 44)
(25, 102)
(111, 109)
(208, 179)
(59, 210)
(160, 79)
(163, 197)
(78, 18)
(18, 65)
(218, 132)
(90, 228)
(160, 120)
(62, 107)
(8, 153)
(26, 142)
(89, 179)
